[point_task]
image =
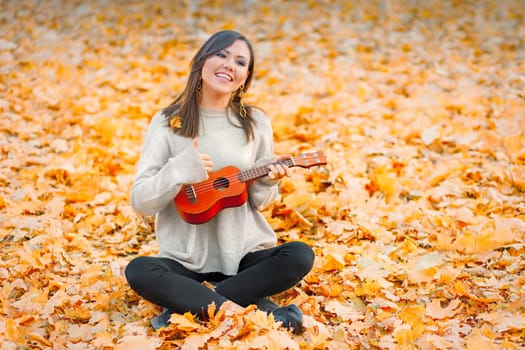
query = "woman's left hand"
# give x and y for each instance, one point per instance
(278, 171)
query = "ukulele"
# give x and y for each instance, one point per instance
(228, 187)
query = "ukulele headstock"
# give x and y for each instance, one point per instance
(309, 159)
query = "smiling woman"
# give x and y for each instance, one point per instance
(226, 56)
(207, 128)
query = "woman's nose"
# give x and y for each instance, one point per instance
(228, 64)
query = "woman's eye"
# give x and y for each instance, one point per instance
(220, 54)
(241, 63)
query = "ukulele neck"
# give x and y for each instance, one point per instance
(255, 173)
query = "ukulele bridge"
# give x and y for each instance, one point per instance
(190, 193)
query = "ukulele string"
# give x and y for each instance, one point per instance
(210, 185)
(225, 180)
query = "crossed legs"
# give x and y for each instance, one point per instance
(263, 273)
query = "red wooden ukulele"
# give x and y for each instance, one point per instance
(228, 187)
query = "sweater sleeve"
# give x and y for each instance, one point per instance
(264, 191)
(161, 170)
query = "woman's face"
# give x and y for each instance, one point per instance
(225, 71)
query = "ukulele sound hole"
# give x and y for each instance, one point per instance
(221, 183)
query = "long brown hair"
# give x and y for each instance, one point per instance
(186, 105)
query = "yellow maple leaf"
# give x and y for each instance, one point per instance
(185, 322)
(434, 309)
(329, 263)
(176, 122)
(478, 340)
(331, 289)
(368, 287)
(471, 242)
(413, 315)
(134, 342)
(385, 180)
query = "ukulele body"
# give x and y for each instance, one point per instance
(200, 202)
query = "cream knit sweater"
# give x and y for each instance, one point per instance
(168, 161)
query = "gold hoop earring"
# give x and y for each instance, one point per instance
(242, 108)
(241, 92)
(243, 111)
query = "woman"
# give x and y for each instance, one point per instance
(208, 127)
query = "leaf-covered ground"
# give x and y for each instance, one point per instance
(418, 220)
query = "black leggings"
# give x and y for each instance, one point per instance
(167, 283)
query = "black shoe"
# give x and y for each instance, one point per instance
(291, 317)
(161, 320)
(266, 305)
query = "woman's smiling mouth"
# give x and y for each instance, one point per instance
(224, 76)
